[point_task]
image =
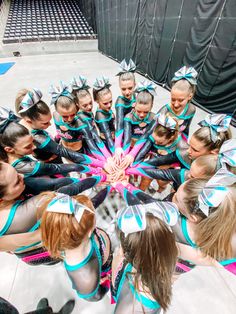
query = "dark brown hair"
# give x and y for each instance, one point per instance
(168, 133)
(34, 112)
(98, 94)
(153, 253)
(81, 93)
(62, 231)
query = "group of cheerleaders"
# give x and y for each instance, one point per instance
(43, 220)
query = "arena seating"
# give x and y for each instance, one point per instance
(46, 20)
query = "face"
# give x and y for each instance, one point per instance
(179, 100)
(196, 149)
(67, 115)
(23, 146)
(13, 181)
(161, 140)
(42, 123)
(142, 110)
(86, 104)
(127, 88)
(105, 102)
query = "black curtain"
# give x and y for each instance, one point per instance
(87, 7)
(162, 35)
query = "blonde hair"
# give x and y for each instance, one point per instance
(184, 86)
(208, 164)
(62, 231)
(213, 234)
(65, 103)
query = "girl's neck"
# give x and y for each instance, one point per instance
(76, 255)
(13, 157)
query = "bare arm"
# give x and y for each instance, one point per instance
(14, 241)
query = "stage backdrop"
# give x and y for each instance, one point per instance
(162, 35)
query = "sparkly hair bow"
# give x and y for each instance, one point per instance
(101, 82)
(146, 86)
(217, 123)
(79, 83)
(64, 204)
(133, 218)
(126, 67)
(186, 73)
(6, 117)
(61, 90)
(215, 190)
(227, 153)
(167, 121)
(30, 99)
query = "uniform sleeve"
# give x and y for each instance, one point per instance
(98, 199)
(81, 185)
(163, 160)
(119, 122)
(51, 146)
(144, 150)
(128, 196)
(127, 135)
(103, 127)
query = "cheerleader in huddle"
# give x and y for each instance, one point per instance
(104, 116)
(69, 232)
(74, 133)
(206, 140)
(142, 231)
(183, 89)
(208, 208)
(16, 143)
(36, 117)
(124, 103)
(20, 215)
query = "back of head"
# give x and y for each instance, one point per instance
(81, 93)
(213, 233)
(184, 86)
(33, 113)
(62, 232)
(65, 103)
(99, 94)
(153, 254)
(207, 164)
(144, 98)
(164, 131)
(203, 135)
(127, 76)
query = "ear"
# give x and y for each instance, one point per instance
(28, 120)
(9, 149)
(214, 151)
(190, 96)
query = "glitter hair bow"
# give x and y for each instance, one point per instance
(133, 218)
(6, 117)
(64, 204)
(101, 82)
(30, 99)
(186, 73)
(79, 83)
(61, 90)
(215, 190)
(146, 86)
(227, 153)
(126, 67)
(217, 123)
(167, 121)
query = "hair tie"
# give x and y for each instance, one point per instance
(30, 99)
(186, 73)
(216, 189)
(133, 218)
(79, 83)
(167, 121)
(125, 68)
(217, 123)
(227, 153)
(6, 117)
(101, 83)
(146, 86)
(64, 204)
(61, 90)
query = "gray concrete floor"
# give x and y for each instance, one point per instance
(203, 290)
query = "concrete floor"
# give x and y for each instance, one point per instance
(203, 290)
